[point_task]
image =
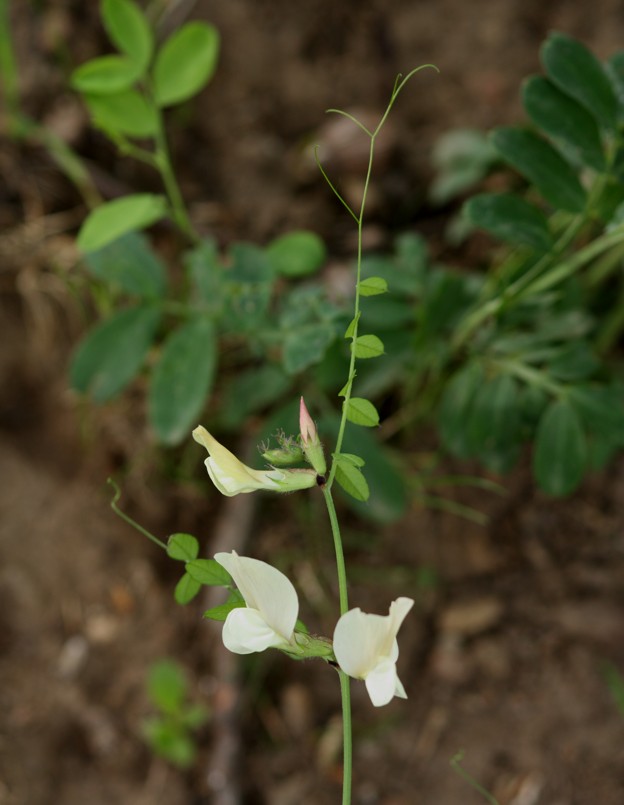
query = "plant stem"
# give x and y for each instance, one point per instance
(162, 160)
(347, 765)
(345, 686)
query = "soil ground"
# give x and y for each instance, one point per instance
(516, 622)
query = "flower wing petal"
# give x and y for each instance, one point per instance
(357, 639)
(265, 589)
(245, 631)
(381, 683)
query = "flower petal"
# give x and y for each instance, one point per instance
(356, 641)
(229, 475)
(246, 631)
(381, 683)
(264, 589)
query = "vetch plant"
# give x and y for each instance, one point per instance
(262, 607)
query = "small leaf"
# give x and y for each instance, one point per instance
(538, 162)
(562, 118)
(576, 71)
(576, 361)
(362, 412)
(185, 63)
(128, 29)
(124, 112)
(108, 358)
(251, 390)
(297, 254)
(368, 346)
(349, 332)
(129, 264)
(166, 685)
(510, 218)
(454, 410)
(351, 458)
(182, 379)
(352, 481)
(494, 423)
(104, 75)
(372, 286)
(113, 219)
(186, 589)
(560, 454)
(220, 612)
(208, 572)
(183, 547)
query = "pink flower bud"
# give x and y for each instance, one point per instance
(307, 427)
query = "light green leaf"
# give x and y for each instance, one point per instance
(368, 346)
(510, 218)
(362, 412)
(105, 75)
(208, 572)
(125, 112)
(563, 119)
(110, 356)
(185, 63)
(128, 29)
(538, 162)
(183, 547)
(576, 71)
(372, 286)
(113, 219)
(182, 379)
(560, 454)
(166, 685)
(352, 481)
(129, 264)
(349, 332)
(186, 589)
(351, 458)
(297, 254)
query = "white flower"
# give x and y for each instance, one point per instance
(269, 617)
(232, 477)
(366, 648)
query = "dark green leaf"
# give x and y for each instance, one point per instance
(575, 361)
(352, 480)
(186, 589)
(493, 426)
(576, 71)
(106, 74)
(208, 572)
(130, 264)
(510, 218)
(563, 119)
(109, 356)
(560, 455)
(297, 254)
(129, 30)
(601, 408)
(183, 547)
(362, 412)
(455, 407)
(206, 273)
(182, 379)
(113, 219)
(185, 63)
(125, 112)
(306, 346)
(251, 390)
(538, 162)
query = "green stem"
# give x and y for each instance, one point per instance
(129, 519)
(163, 163)
(347, 766)
(8, 67)
(345, 687)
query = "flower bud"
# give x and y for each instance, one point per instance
(312, 447)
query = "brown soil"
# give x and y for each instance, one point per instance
(506, 652)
